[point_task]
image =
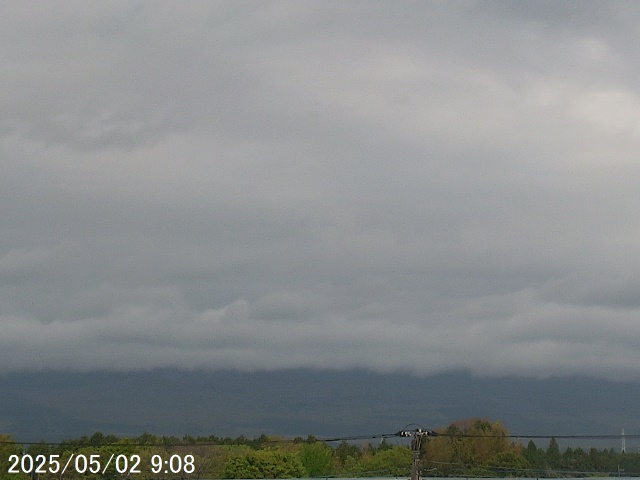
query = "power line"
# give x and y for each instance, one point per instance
(406, 433)
(578, 436)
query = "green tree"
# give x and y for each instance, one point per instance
(346, 450)
(395, 460)
(510, 464)
(535, 456)
(346, 457)
(265, 464)
(351, 466)
(316, 458)
(553, 457)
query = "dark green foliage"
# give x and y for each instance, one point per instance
(553, 457)
(265, 464)
(536, 457)
(345, 450)
(510, 463)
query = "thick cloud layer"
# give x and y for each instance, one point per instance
(405, 186)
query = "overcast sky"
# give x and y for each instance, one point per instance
(398, 186)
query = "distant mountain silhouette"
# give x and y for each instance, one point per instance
(54, 405)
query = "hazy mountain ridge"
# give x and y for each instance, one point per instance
(54, 405)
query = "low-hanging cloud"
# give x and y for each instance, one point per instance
(528, 339)
(422, 188)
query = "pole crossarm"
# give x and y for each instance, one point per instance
(418, 432)
(418, 435)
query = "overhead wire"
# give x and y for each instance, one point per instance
(347, 438)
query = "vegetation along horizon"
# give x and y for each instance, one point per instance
(467, 448)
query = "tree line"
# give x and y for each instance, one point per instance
(469, 448)
(480, 448)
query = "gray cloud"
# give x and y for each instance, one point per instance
(423, 187)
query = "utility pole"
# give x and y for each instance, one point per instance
(416, 442)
